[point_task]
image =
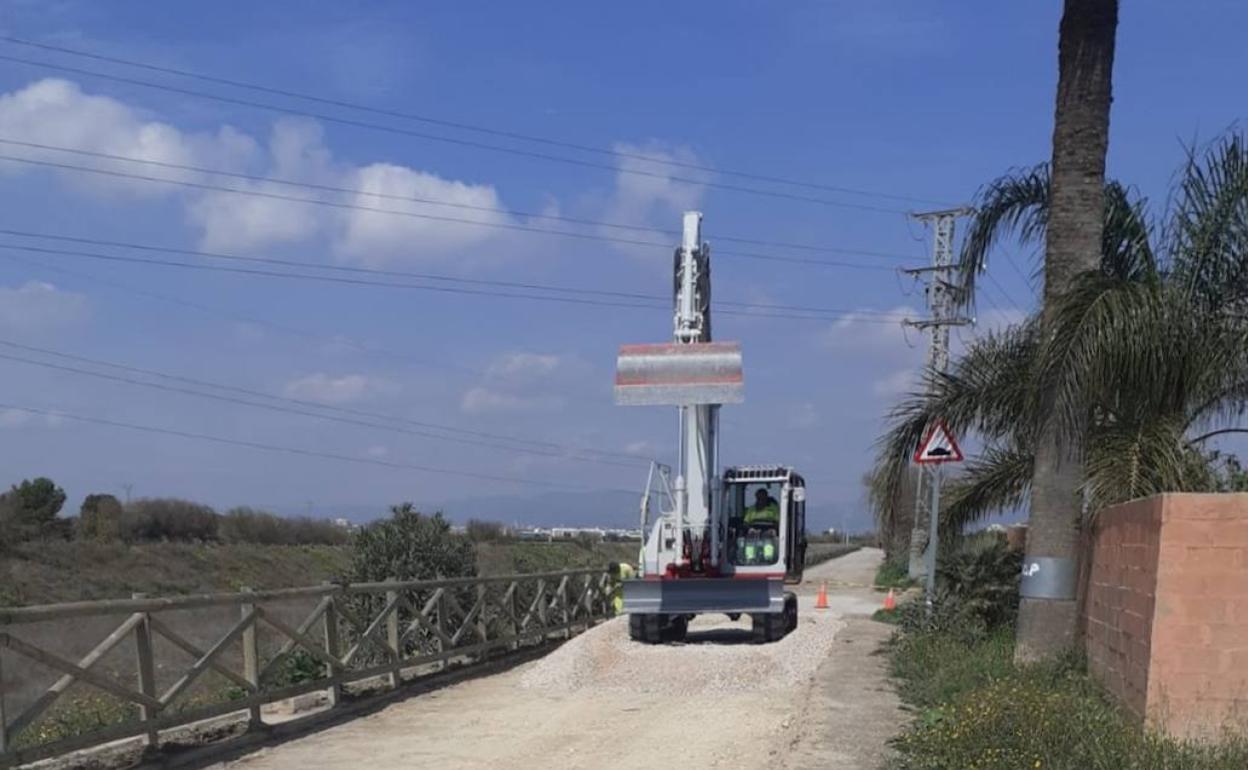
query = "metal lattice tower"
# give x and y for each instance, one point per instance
(941, 303)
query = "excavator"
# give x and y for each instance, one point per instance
(720, 541)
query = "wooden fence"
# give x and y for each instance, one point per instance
(353, 633)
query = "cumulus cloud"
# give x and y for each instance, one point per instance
(58, 112)
(36, 306)
(338, 390)
(374, 238)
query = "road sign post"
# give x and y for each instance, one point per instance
(938, 448)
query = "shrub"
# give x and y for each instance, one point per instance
(248, 525)
(480, 531)
(100, 518)
(157, 519)
(410, 546)
(29, 510)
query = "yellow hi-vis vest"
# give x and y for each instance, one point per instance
(770, 513)
(617, 591)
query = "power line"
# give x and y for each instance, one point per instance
(409, 274)
(463, 126)
(407, 286)
(243, 317)
(416, 215)
(57, 414)
(435, 202)
(993, 280)
(451, 140)
(569, 454)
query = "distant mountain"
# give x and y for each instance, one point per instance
(600, 509)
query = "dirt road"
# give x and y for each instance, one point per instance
(603, 701)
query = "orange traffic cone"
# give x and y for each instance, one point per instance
(890, 601)
(821, 601)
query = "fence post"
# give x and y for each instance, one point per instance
(146, 669)
(4, 720)
(483, 625)
(331, 643)
(511, 612)
(563, 603)
(251, 658)
(441, 624)
(392, 634)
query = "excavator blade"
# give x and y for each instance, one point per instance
(675, 374)
(698, 595)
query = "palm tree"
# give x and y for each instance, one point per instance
(1141, 361)
(1047, 618)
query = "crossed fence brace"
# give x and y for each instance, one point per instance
(419, 623)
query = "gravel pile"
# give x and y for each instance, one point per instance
(717, 658)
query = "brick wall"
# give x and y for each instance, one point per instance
(1166, 610)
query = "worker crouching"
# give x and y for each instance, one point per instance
(619, 572)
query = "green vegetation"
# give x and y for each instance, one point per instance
(410, 546)
(818, 553)
(29, 510)
(976, 708)
(893, 573)
(1143, 358)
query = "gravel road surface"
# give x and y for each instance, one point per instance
(816, 699)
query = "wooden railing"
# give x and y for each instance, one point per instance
(354, 632)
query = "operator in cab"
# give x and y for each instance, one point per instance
(764, 511)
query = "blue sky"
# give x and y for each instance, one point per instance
(921, 100)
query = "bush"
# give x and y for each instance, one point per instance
(100, 518)
(248, 525)
(157, 519)
(410, 546)
(480, 531)
(29, 511)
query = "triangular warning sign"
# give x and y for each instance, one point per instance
(939, 446)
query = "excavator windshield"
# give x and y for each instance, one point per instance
(754, 527)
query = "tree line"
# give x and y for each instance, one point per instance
(31, 510)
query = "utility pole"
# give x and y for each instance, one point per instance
(941, 304)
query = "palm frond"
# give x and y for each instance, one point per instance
(993, 481)
(1014, 204)
(1207, 226)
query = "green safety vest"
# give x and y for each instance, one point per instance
(770, 513)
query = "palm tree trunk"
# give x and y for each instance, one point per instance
(1047, 619)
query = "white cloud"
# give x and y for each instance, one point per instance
(482, 400)
(898, 383)
(882, 332)
(646, 192)
(374, 238)
(338, 390)
(640, 448)
(36, 306)
(523, 366)
(57, 112)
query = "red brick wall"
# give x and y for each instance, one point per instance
(1166, 610)
(1120, 598)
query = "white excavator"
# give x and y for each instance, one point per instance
(719, 542)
